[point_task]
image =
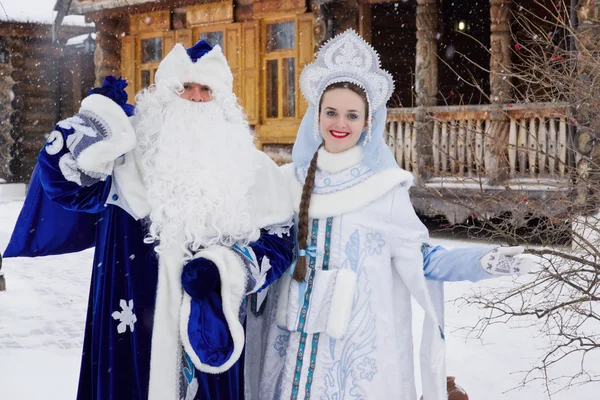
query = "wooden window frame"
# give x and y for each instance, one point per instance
(278, 55)
(197, 30)
(139, 66)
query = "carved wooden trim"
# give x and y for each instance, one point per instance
(211, 13)
(269, 8)
(150, 22)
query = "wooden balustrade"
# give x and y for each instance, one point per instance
(536, 145)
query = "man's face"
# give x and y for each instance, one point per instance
(196, 92)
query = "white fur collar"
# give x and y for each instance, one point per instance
(350, 199)
(336, 162)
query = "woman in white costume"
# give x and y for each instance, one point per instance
(339, 324)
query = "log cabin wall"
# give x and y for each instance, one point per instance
(9, 127)
(31, 87)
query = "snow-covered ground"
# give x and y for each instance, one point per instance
(42, 316)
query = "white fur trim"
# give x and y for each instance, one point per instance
(336, 162)
(271, 202)
(348, 200)
(97, 156)
(283, 299)
(165, 356)
(341, 303)
(211, 69)
(233, 285)
(129, 187)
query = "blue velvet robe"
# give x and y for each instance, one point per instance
(70, 212)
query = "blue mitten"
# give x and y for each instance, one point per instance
(200, 277)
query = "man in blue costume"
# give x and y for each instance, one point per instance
(187, 218)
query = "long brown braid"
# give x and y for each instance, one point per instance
(309, 182)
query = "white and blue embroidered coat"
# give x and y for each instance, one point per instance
(346, 332)
(69, 208)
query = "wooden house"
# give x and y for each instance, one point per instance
(451, 136)
(41, 81)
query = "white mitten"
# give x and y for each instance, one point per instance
(504, 261)
(102, 133)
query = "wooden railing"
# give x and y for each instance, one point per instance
(535, 140)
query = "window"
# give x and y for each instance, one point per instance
(213, 38)
(281, 36)
(149, 56)
(151, 50)
(3, 52)
(280, 70)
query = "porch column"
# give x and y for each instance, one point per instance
(107, 56)
(496, 157)
(585, 143)
(426, 86)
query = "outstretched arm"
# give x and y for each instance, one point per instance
(472, 264)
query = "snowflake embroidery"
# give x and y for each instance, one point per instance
(368, 368)
(55, 143)
(281, 344)
(126, 316)
(374, 243)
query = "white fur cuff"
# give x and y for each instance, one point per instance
(341, 303)
(233, 287)
(120, 137)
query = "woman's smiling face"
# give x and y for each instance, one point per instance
(342, 119)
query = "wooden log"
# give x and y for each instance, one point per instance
(32, 144)
(500, 54)
(15, 133)
(17, 103)
(512, 148)
(46, 120)
(26, 90)
(16, 118)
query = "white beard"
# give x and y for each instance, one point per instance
(198, 167)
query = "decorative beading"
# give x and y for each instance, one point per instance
(347, 58)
